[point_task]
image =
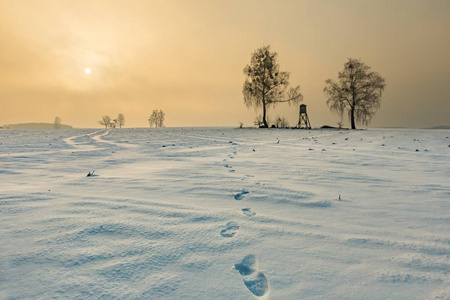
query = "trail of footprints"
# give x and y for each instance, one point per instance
(231, 156)
(254, 280)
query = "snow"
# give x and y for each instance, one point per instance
(223, 213)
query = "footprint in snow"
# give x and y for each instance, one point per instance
(248, 212)
(254, 280)
(241, 195)
(230, 230)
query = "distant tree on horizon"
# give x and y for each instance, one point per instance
(106, 121)
(161, 119)
(152, 119)
(120, 120)
(357, 90)
(57, 123)
(265, 84)
(157, 118)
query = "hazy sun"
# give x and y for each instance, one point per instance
(87, 71)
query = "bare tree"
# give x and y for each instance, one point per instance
(57, 123)
(153, 118)
(157, 118)
(265, 84)
(161, 117)
(120, 120)
(357, 90)
(106, 120)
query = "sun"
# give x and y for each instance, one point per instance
(87, 71)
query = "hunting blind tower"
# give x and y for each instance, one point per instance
(303, 120)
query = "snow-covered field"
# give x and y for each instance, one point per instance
(222, 213)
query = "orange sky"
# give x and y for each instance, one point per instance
(186, 57)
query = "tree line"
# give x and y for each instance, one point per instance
(114, 123)
(156, 119)
(358, 90)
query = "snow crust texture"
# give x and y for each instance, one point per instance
(222, 213)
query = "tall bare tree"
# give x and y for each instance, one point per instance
(153, 117)
(120, 120)
(106, 120)
(161, 117)
(265, 84)
(57, 123)
(357, 90)
(157, 118)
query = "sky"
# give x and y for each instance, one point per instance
(187, 58)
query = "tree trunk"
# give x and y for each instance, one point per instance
(264, 116)
(352, 117)
(264, 106)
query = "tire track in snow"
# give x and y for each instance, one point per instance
(70, 141)
(98, 138)
(94, 136)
